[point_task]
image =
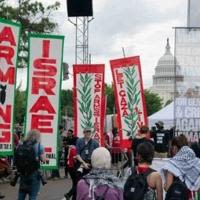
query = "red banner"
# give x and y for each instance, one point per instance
(129, 97)
(88, 99)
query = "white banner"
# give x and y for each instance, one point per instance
(187, 104)
(9, 39)
(44, 83)
(88, 99)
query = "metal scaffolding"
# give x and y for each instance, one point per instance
(82, 40)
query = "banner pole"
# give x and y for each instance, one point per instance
(123, 51)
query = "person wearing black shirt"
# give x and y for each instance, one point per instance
(67, 141)
(140, 138)
(161, 140)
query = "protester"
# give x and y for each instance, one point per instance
(100, 183)
(140, 138)
(153, 189)
(30, 180)
(67, 142)
(56, 172)
(183, 165)
(71, 168)
(196, 148)
(84, 146)
(116, 146)
(108, 140)
(161, 140)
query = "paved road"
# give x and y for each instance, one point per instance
(53, 190)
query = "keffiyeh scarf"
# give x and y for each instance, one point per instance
(186, 166)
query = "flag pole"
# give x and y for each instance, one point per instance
(188, 14)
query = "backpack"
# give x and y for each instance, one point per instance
(177, 190)
(101, 197)
(26, 159)
(136, 185)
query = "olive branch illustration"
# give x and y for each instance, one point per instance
(85, 101)
(133, 100)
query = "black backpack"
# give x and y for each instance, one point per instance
(26, 159)
(177, 190)
(136, 185)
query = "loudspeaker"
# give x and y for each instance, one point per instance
(79, 8)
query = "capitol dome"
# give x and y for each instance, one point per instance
(167, 58)
(164, 78)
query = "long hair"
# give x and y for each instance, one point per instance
(33, 135)
(179, 141)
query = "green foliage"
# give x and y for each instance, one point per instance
(110, 100)
(168, 102)
(67, 103)
(34, 17)
(153, 102)
(20, 106)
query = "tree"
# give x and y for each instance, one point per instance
(34, 17)
(67, 103)
(110, 100)
(168, 102)
(153, 102)
(20, 106)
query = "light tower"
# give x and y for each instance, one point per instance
(82, 11)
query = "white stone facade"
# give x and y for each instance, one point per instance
(164, 77)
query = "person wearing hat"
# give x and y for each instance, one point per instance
(84, 147)
(161, 140)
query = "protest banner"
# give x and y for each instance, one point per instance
(43, 92)
(187, 89)
(129, 97)
(9, 42)
(88, 99)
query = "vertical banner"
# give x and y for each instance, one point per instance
(129, 97)
(9, 41)
(88, 99)
(43, 92)
(187, 88)
(193, 13)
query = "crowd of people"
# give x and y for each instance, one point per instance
(90, 166)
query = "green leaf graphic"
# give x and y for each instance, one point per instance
(85, 101)
(133, 99)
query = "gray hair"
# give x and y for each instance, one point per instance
(101, 158)
(33, 135)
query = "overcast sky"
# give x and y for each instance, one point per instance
(140, 26)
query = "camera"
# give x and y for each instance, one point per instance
(13, 180)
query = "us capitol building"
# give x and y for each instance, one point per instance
(164, 77)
